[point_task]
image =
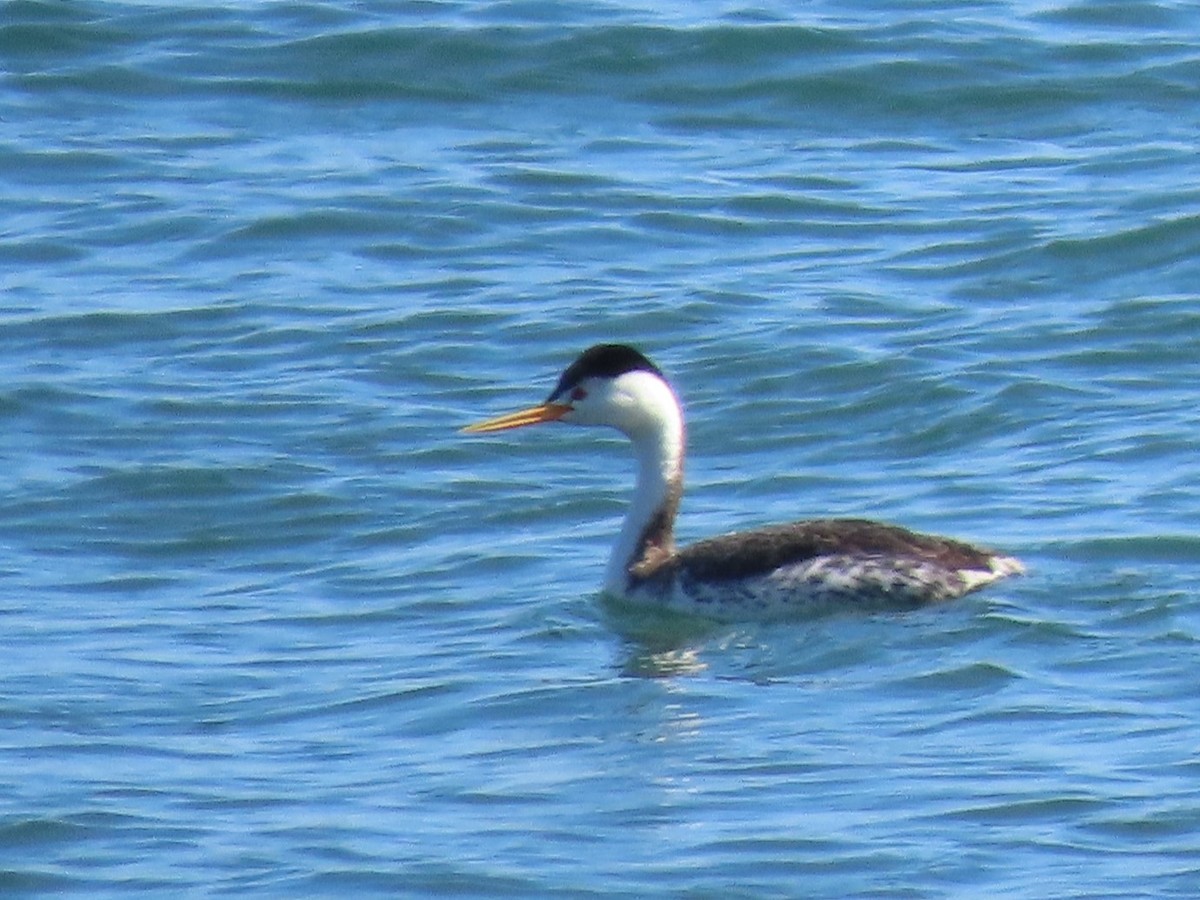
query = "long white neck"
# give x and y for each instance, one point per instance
(648, 530)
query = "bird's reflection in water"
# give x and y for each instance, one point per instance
(659, 643)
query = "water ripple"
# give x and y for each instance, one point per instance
(272, 627)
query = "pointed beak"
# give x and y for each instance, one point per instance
(547, 412)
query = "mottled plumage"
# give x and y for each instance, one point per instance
(803, 567)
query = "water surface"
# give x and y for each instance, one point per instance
(272, 628)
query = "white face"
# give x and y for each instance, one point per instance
(632, 403)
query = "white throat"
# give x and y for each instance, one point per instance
(657, 434)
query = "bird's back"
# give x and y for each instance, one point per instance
(788, 570)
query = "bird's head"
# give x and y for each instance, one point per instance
(609, 384)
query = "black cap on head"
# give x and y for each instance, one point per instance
(603, 361)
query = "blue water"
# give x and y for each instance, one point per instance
(272, 628)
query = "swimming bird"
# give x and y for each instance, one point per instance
(769, 573)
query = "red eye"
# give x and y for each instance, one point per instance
(578, 394)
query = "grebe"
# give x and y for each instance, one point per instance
(769, 573)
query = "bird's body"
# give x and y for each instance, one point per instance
(775, 572)
(787, 570)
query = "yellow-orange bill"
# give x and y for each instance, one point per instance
(547, 412)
